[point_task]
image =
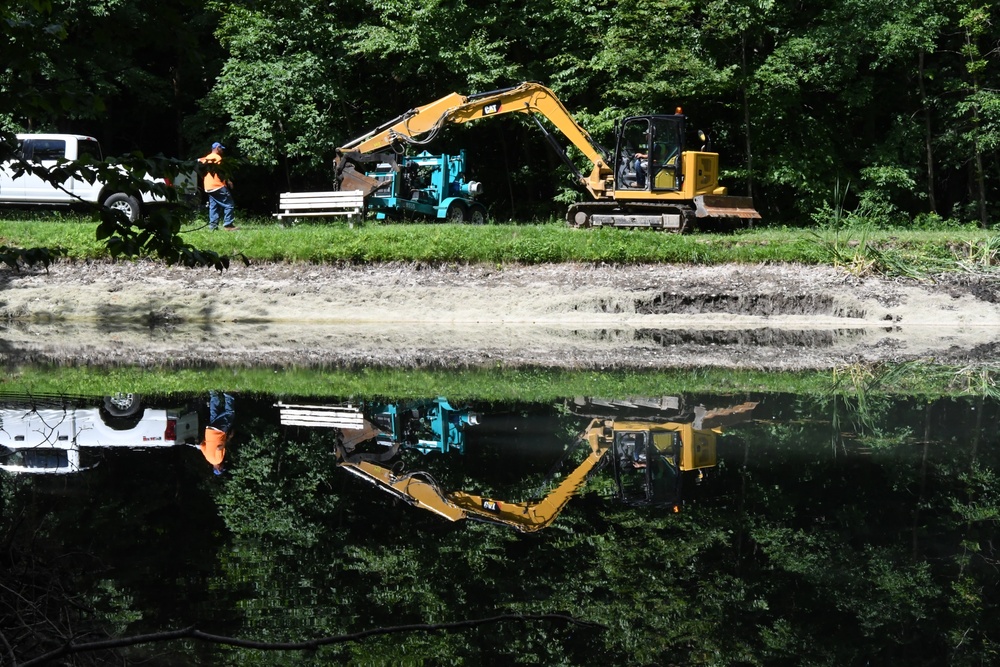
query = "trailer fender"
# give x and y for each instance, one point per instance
(454, 209)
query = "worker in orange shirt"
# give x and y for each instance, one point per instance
(221, 414)
(218, 191)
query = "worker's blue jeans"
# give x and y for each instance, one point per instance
(221, 411)
(221, 199)
(640, 172)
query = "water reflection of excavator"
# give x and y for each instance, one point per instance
(652, 179)
(650, 459)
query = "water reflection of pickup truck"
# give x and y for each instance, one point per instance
(65, 440)
(46, 150)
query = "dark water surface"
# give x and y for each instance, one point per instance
(814, 530)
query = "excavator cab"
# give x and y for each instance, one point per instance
(648, 153)
(647, 467)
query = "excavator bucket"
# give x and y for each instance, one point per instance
(725, 206)
(731, 416)
(352, 179)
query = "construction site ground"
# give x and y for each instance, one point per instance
(561, 315)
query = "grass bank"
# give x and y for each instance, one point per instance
(503, 384)
(888, 252)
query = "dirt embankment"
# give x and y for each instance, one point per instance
(577, 316)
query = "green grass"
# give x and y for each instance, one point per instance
(500, 384)
(887, 252)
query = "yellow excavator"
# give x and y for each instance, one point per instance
(652, 179)
(648, 462)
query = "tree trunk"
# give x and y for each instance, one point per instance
(746, 118)
(980, 180)
(931, 199)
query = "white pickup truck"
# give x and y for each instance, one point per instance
(61, 440)
(46, 149)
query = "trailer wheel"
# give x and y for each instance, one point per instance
(456, 212)
(477, 215)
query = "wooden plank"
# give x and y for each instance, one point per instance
(309, 410)
(321, 418)
(315, 213)
(344, 201)
(302, 414)
(331, 193)
(321, 424)
(315, 205)
(347, 407)
(315, 197)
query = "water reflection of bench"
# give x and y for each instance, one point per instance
(346, 417)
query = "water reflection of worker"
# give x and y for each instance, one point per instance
(221, 414)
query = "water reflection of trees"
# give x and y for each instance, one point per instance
(820, 541)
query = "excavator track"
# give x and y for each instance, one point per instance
(639, 215)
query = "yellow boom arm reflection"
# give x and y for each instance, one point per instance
(648, 459)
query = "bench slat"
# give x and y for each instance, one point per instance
(318, 204)
(320, 200)
(314, 214)
(326, 193)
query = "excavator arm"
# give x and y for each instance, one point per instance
(422, 124)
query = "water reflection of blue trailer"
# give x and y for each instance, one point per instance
(426, 425)
(425, 185)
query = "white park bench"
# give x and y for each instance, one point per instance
(350, 203)
(322, 416)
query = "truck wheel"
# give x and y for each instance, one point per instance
(456, 212)
(122, 405)
(124, 203)
(477, 215)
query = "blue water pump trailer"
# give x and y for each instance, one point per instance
(425, 185)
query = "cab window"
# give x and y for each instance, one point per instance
(47, 149)
(89, 148)
(665, 155)
(634, 139)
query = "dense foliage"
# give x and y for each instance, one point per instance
(888, 111)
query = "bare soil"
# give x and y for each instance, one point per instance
(566, 315)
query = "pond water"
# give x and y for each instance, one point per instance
(677, 529)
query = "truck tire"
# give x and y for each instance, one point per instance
(126, 204)
(456, 212)
(122, 405)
